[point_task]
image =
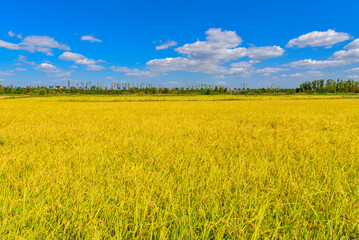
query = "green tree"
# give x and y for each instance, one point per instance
(153, 90)
(42, 91)
(208, 91)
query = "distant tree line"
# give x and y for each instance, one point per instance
(315, 86)
(330, 86)
(139, 88)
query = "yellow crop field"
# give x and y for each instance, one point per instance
(176, 167)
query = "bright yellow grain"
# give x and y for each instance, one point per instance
(94, 167)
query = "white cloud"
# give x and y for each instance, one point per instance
(236, 72)
(70, 56)
(10, 46)
(314, 64)
(123, 69)
(43, 44)
(228, 39)
(135, 72)
(208, 56)
(260, 53)
(82, 60)
(353, 70)
(353, 45)
(195, 65)
(94, 67)
(53, 70)
(90, 38)
(219, 46)
(244, 64)
(353, 76)
(110, 78)
(12, 34)
(46, 67)
(308, 74)
(268, 71)
(184, 64)
(85, 61)
(62, 74)
(319, 39)
(20, 70)
(11, 72)
(6, 73)
(350, 55)
(23, 59)
(166, 45)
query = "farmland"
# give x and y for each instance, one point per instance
(179, 167)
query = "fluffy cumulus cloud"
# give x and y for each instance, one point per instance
(52, 70)
(314, 64)
(46, 67)
(82, 60)
(70, 56)
(219, 45)
(319, 39)
(340, 58)
(350, 55)
(166, 45)
(209, 57)
(32, 44)
(90, 39)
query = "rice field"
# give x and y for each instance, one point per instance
(179, 167)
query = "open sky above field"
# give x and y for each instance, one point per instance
(174, 42)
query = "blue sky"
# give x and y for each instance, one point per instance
(176, 42)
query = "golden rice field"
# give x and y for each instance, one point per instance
(179, 167)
